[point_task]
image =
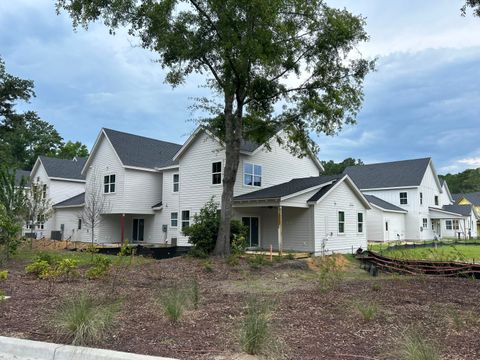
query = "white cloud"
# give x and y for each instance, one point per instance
(472, 162)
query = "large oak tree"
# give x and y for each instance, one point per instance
(278, 64)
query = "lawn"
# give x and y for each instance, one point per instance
(317, 309)
(463, 253)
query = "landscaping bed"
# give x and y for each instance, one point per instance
(312, 315)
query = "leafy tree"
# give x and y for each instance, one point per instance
(474, 5)
(71, 149)
(277, 64)
(23, 136)
(333, 168)
(12, 211)
(464, 182)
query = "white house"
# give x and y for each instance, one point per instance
(409, 202)
(153, 189)
(60, 180)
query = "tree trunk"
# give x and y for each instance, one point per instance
(233, 137)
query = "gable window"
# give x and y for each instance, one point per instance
(456, 225)
(185, 219)
(425, 223)
(403, 198)
(176, 182)
(109, 184)
(79, 227)
(41, 222)
(252, 174)
(436, 200)
(341, 222)
(448, 224)
(44, 192)
(217, 173)
(421, 198)
(174, 219)
(360, 222)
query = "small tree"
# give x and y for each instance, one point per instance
(38, 206)
(95, 205)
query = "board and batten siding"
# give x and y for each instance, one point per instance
(341, 198)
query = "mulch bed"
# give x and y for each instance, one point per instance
(311, 324)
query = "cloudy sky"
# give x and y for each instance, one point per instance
(424, 99)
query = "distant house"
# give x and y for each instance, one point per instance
(472, 198)
(410, 202)
(154, 188)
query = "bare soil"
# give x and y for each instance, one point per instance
(308, 323)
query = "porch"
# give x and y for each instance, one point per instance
(136, 228)
(446, 224)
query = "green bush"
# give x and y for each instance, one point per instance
(204, 230)
(207, 265)
(83, 320)
(255, 327)
(233, 260)
(3, 275)
(367, 311)
(101, 265)
(66, 268)
(258, 260)
(197, 253)
(50, 258)
(39, 268)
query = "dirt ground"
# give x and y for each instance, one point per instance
(307, 323)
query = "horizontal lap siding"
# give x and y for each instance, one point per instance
(342, 198)
(69, 218)
(142, 190)
(375, 225)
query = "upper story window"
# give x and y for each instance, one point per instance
(436, 200)
(109, 184)
(44, 192)
(421, 198)
(79, 224)
(217, 172)
(176, 182)
(403, 198)
(360, 223)
(252, 174)
(341, 222)
(185, 219)
(425, 223)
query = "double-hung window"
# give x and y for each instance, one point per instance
(360, 222)
(403, 198)
(176, 182)
(252, 174)
(341, 222)
(425, 223)
(217, 173)
(109, 184)
(79, 227)
(185, 219)
(174, 219)
(456, 225)
(448, 224)
(421, 198)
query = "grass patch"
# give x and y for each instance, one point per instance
(173, 302)
(255, 331)
(415, 346)
(83, 320)
(367, 311)
(257, 261)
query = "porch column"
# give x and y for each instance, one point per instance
(280, 230)
(122, 228)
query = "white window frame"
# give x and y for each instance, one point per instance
(175, 183)
(406, 198)
(456, 224)
(109, 184)
(44, 191)
(436, 200)
(421, 198)
(185, 221)
(448, 224)
(40, 224)
(425, 223)
(172, 219)
(341, 222)
(360, 223)
(252, 174)
(216, 172)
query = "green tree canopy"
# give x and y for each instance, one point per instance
(466, 181)
(71, 149)
(277, 64)
(23, 136)
(333, 168)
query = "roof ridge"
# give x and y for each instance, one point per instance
(390, 162)
(141, 136)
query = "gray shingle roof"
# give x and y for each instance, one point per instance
(389, 174)
(473, 197)
(139, 151)
(383, 204)
(65, 169)
(321, 193)
(77, 200)
(464, 210)
(157, 205)
(249, 146)
(288, 188)
(19, 174)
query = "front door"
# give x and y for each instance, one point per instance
(138, 226)
(253, 233)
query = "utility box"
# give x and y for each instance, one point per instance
(56, 235)
(164, 228)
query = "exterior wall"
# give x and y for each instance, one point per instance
(376, 225)
(69, 218)
(141, 190)
(326, 222)
(444, 198)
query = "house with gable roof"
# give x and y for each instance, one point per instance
(471, 198)
(154, 188)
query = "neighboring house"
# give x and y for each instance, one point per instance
(472, 198)
(409, 202)
(154, 188)
(60, 180)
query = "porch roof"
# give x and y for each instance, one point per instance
(437, 213)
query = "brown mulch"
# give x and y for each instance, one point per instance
(311, 324)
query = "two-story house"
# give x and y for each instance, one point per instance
(409, 202)
(153, 189)
(59, 180)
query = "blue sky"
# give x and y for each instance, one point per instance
(424, 99)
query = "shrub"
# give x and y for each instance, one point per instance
(208, 265)
(258, 260)
(83, 321)
(50, 258)
(197, 253)
(66, 268)
(3, 275)
(330, 273)
(414, 346)
(233, 260)
(204, 230)
(173, 302)
(101, 265)
(255, 327)
(39, 268)
(367, 311)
